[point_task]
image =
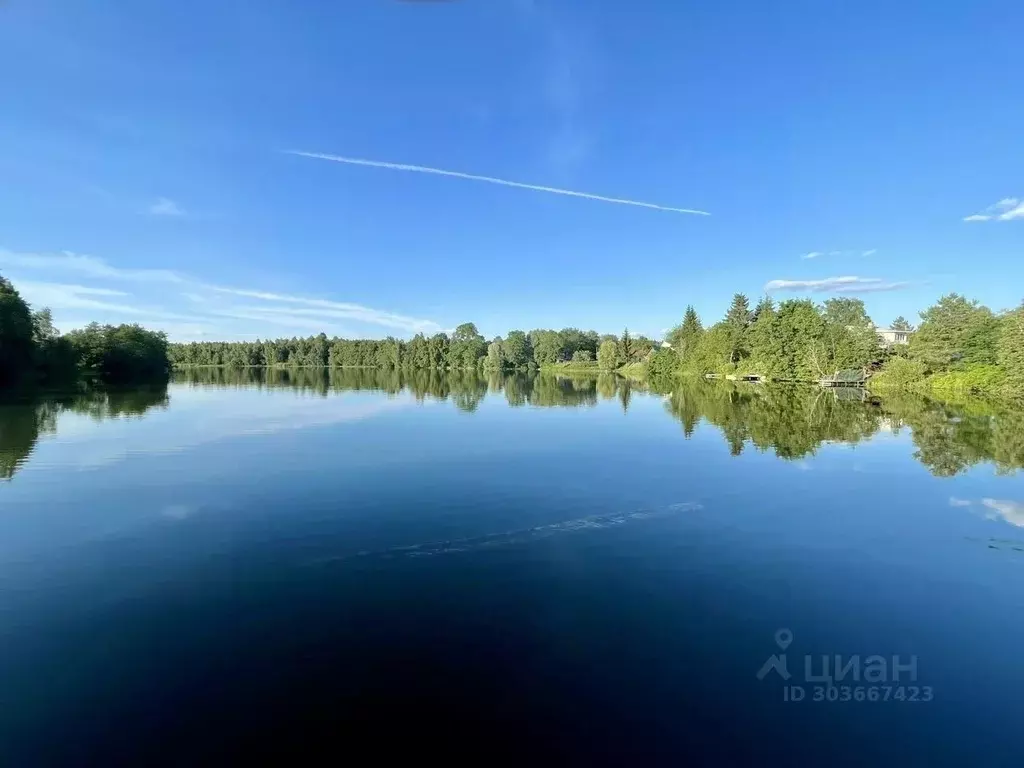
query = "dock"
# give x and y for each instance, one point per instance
(848, 378)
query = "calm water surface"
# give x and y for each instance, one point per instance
(515, 569)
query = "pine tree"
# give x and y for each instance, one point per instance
(737, 320)
(684, 338)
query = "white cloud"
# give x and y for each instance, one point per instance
(283, 320)
(1007, 209)
(332, 309)
(30, 287)
(491, 180)
(90, 266)
(207, 301)
(61, 296)
(165, 207)
(849, 254)
(1011, 511)
(846, 284)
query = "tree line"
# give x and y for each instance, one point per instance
(464, 349)
(960, 346)
(33, 352)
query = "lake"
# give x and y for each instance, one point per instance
(359, 564)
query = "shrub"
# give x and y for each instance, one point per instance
(899, 373)
(978, 379)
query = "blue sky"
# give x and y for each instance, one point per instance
(145, 172)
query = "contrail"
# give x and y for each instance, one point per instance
(492, 180)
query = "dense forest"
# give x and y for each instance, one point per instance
(465, 349)
(960, 346)
(33, 352)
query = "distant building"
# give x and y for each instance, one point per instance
(891, 336)
(666, 345)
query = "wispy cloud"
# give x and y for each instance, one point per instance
(1007, 209)
(492, 180)
(62, 296)
(1011, 511)
(332, 309)
(848, 254)
(89, 266)
(206, 301)
(165, 207)
(284, 319)
(846, 284)
(994, 509)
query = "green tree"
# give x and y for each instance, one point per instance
(850, 340)
(547, 346)
(119, 354)
(685, 337)
(582, 356)
(713, 352)
(1011, 346)
(517, 349)
(608, 356)
(639, 348)
(737, 320)
(799, 325)
(495, 357)
(626, 346)
(764, 304)
(955, 332)
(16, 332)
(467, 346)
(901, 324)
(764, 341)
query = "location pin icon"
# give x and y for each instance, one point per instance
(783, 638)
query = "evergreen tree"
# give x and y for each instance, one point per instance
(685, 337)
(955, 332)
(765, 304)
(737, 320)
(901, 324)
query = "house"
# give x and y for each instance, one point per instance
(891, 336)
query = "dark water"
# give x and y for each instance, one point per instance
(550, 570)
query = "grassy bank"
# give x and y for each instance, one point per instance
(573, 366)
(978, 380)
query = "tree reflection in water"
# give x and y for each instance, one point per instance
(790, 421)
